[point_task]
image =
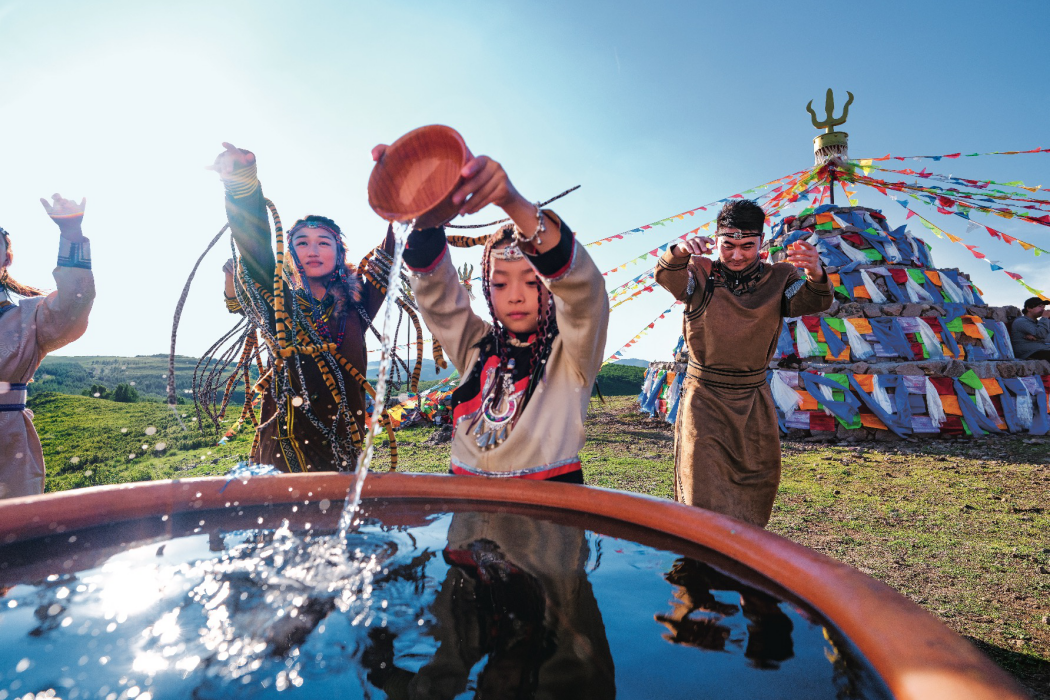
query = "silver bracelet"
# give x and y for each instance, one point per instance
(541, 227)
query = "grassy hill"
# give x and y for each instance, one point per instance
(620, 379)
(147, 373)
(89, 441)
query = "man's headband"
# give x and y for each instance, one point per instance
(737, 235)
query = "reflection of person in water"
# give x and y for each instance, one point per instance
(516, 592)
(700, 620)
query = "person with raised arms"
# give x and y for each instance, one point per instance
(30, 328)
(313, 407)
(529, 369)
(727, 440)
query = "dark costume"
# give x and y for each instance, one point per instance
(295, 442)
(727, 442)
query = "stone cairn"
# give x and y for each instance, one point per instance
(907, 350)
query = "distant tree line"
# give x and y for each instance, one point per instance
(124, 393)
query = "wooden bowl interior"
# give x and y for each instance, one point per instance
(417, 173)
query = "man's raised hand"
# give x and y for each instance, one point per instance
(701, 245)
(806, 257)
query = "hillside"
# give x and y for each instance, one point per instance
(147, 373)
(89, 441)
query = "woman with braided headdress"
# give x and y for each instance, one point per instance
(528, 373)
(312, 311)
(29, 329)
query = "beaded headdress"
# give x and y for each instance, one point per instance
(508, 253)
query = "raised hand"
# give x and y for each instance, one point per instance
(61, 208)
(67, 213)
(232, 159)
(701, 245)
(805, 256)
(486, 182)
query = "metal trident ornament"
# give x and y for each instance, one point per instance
(829, 108)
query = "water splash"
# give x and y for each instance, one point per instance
(364, 460)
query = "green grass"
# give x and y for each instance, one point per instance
(89, 441)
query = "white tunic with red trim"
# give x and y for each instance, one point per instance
(549, 433)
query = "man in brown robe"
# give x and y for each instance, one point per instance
(727, 442)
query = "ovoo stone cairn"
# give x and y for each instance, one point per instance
(906, 349)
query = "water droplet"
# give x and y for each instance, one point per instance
(151, 430)
(123, 430)
(163, 518)
(22, 665)
(96, 395)
(74, 460)
(145, 447)
(12, 603)
(131, 456)
(132, 383)
(89, 472)
(161, 446)
(297, 401)
(54, 609)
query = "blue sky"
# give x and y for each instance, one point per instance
(654, 108)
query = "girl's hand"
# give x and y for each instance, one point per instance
(486, 182)
(805, 256)
(232, 159)
(61, 208)
(67, 213)
(701, 245)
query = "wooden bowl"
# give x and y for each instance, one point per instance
(417, 175)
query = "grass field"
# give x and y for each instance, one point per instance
(960, 527)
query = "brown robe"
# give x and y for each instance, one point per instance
(727, 442)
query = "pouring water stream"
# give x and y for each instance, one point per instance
(401, 230)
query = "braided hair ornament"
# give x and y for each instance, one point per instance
(500, 405)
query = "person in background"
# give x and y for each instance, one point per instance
(30, 328)
(1030, 334)
(727, 441)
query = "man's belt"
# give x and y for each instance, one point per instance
(12, 397)
(727, 378)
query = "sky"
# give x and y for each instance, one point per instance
(653, 108)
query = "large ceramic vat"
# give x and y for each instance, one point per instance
(895, 648)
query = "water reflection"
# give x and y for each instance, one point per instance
(701, 620)
(517, 595)
(430, 605)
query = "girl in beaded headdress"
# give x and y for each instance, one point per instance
(309, 311)
(29, 329)
(528, 372)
